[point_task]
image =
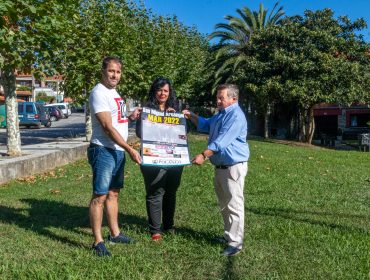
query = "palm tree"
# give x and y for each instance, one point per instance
(234, 37)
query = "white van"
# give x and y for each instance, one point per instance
(64, 107)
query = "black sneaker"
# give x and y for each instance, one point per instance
(170, 231)
(230, 251)
(219, 240)
(100, 250)
(120, 238)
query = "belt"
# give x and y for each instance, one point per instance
(222, 166)
(225, 166)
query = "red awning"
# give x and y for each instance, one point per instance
(327, 112)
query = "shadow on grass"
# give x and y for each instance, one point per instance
(141, 225)
(299, 216)
(229, 272)
(47, 217)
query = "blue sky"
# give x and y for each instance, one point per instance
(204, 14)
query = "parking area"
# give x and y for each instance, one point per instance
(62, 130)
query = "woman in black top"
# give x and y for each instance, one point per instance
(161, 183)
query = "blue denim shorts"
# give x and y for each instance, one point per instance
(107, 166)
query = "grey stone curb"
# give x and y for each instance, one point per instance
(40, 158)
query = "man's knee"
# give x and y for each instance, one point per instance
(98, 200)
(113, 194)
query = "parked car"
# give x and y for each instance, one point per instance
(55, 113)
(64, 107)
(77, 108)
(33, 114)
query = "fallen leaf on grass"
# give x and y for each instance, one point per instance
(51, 174)
(29, 179)
(79, 178)
(54, 191)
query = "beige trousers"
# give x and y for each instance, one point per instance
(229, 187)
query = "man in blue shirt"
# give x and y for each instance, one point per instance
(228, 151)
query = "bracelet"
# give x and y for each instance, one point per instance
(204, 156)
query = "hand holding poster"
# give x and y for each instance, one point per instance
(163, 140)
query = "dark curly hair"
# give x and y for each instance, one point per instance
(157, 84)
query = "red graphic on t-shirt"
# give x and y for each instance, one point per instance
(121, 107)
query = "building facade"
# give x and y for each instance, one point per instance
(28, 88)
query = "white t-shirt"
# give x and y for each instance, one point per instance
(103, 99)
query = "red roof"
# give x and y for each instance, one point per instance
(23, 92)
(2, 99)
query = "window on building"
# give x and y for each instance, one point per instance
(360, 120)
(52, 85)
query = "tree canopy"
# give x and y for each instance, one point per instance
(149, 45)
(307, 60)
(30, 33)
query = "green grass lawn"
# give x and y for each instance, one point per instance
(307, 217)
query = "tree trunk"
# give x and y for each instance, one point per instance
(12, 121)
(266, 122)
(310, 126)
(302, 126)
(88, 124)
(307, 125)
(266, 126)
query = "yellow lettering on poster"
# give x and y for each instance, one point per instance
(154, 118)
(171, 120)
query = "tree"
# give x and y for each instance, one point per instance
(149, 45)
(98, 29)
(232, 49)
(30, 32)
(308, 60)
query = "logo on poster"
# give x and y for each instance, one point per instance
(166, 161)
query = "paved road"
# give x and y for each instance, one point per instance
(62, 130)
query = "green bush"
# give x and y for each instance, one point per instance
(42, 96)
(23, 88)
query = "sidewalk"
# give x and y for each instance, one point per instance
(39, 158)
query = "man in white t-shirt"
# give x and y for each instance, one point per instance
(106, 153)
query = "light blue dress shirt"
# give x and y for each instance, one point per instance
(227, 135)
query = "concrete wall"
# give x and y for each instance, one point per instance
(40, 158)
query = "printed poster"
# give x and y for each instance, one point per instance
(163, 138)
